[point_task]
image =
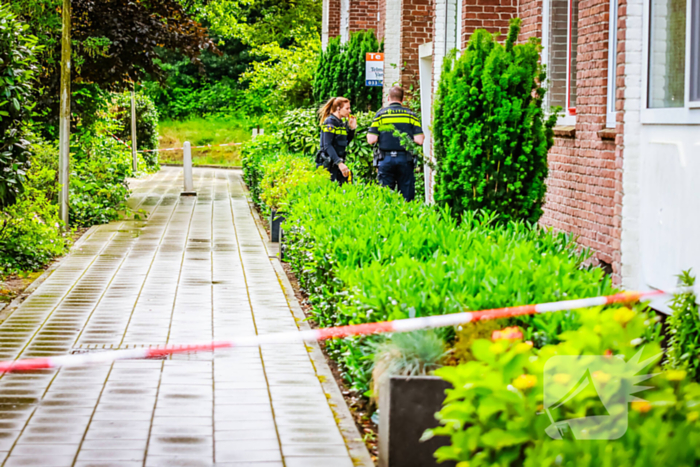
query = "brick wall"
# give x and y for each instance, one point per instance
(584, 188)
(381, 9)
(333, 18)
(492, 15)
(363, 15)
(531, 13)
(416, 29)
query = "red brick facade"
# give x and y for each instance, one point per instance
(531, 13)
(333, 18)
(363, 15)
(584, 188)
(381, 10)
(416, 30)
(492, 15)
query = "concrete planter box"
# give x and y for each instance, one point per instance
(276, 226)
(407, 407)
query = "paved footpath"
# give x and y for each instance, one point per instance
(197, 270)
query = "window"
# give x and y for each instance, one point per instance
(667, 54)
(561, 39)
(695, 51)
(672, 62)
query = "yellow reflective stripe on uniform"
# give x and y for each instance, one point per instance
(375, 123)
(334, 130)
(411, 120)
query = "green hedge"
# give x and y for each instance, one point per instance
(363, 254)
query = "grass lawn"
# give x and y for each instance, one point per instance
(200, 132)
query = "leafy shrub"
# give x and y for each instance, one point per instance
(341, 71)
(494, 413)
(283, 175)
(491, 135)
(98, 187)
(254, 154)
(363, 254)
(18, 68)
(684, 331)
(180, 102)
(146, 123)
(30, 234)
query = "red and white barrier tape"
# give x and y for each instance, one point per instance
(178, 149)
(193, 147)
(402, 325)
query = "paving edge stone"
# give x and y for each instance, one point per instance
(19, 299)
(346, 424)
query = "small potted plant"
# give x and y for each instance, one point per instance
(409, 397)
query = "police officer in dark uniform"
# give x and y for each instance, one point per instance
(396, 165)
(335, 137)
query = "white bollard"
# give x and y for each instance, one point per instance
(187, 170)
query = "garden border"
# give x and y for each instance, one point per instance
(346, 423)
(19, 299)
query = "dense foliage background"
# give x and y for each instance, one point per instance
(341, 71)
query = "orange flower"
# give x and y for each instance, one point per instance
(510, 333)
(641, 406)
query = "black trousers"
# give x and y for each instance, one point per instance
(397, 173)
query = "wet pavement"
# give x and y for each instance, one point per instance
(198, 269)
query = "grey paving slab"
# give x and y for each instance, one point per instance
(197, 269)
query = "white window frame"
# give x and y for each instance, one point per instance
(690, 112)
(567, 117)
(611, 119)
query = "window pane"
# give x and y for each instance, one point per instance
(695, 52)
(667, 53)
(573, 46)
(558, 44)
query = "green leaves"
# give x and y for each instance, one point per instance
(491, 134)
(17, 73)
(684, 330)
(341, 71)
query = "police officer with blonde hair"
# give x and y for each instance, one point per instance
(337, 130)
(396, 165)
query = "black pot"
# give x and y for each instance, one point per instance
(275, 226)
(407, 408)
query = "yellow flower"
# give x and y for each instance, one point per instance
(676, 375)
(623, 315)
(562, 378)
(523, 347)
(523, 382)
(641, 406)
(497, 348)
(601, 376)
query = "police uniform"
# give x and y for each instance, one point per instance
(335, 137)
(395, 168)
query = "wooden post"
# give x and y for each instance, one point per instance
(64, 124)
(134, 154)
